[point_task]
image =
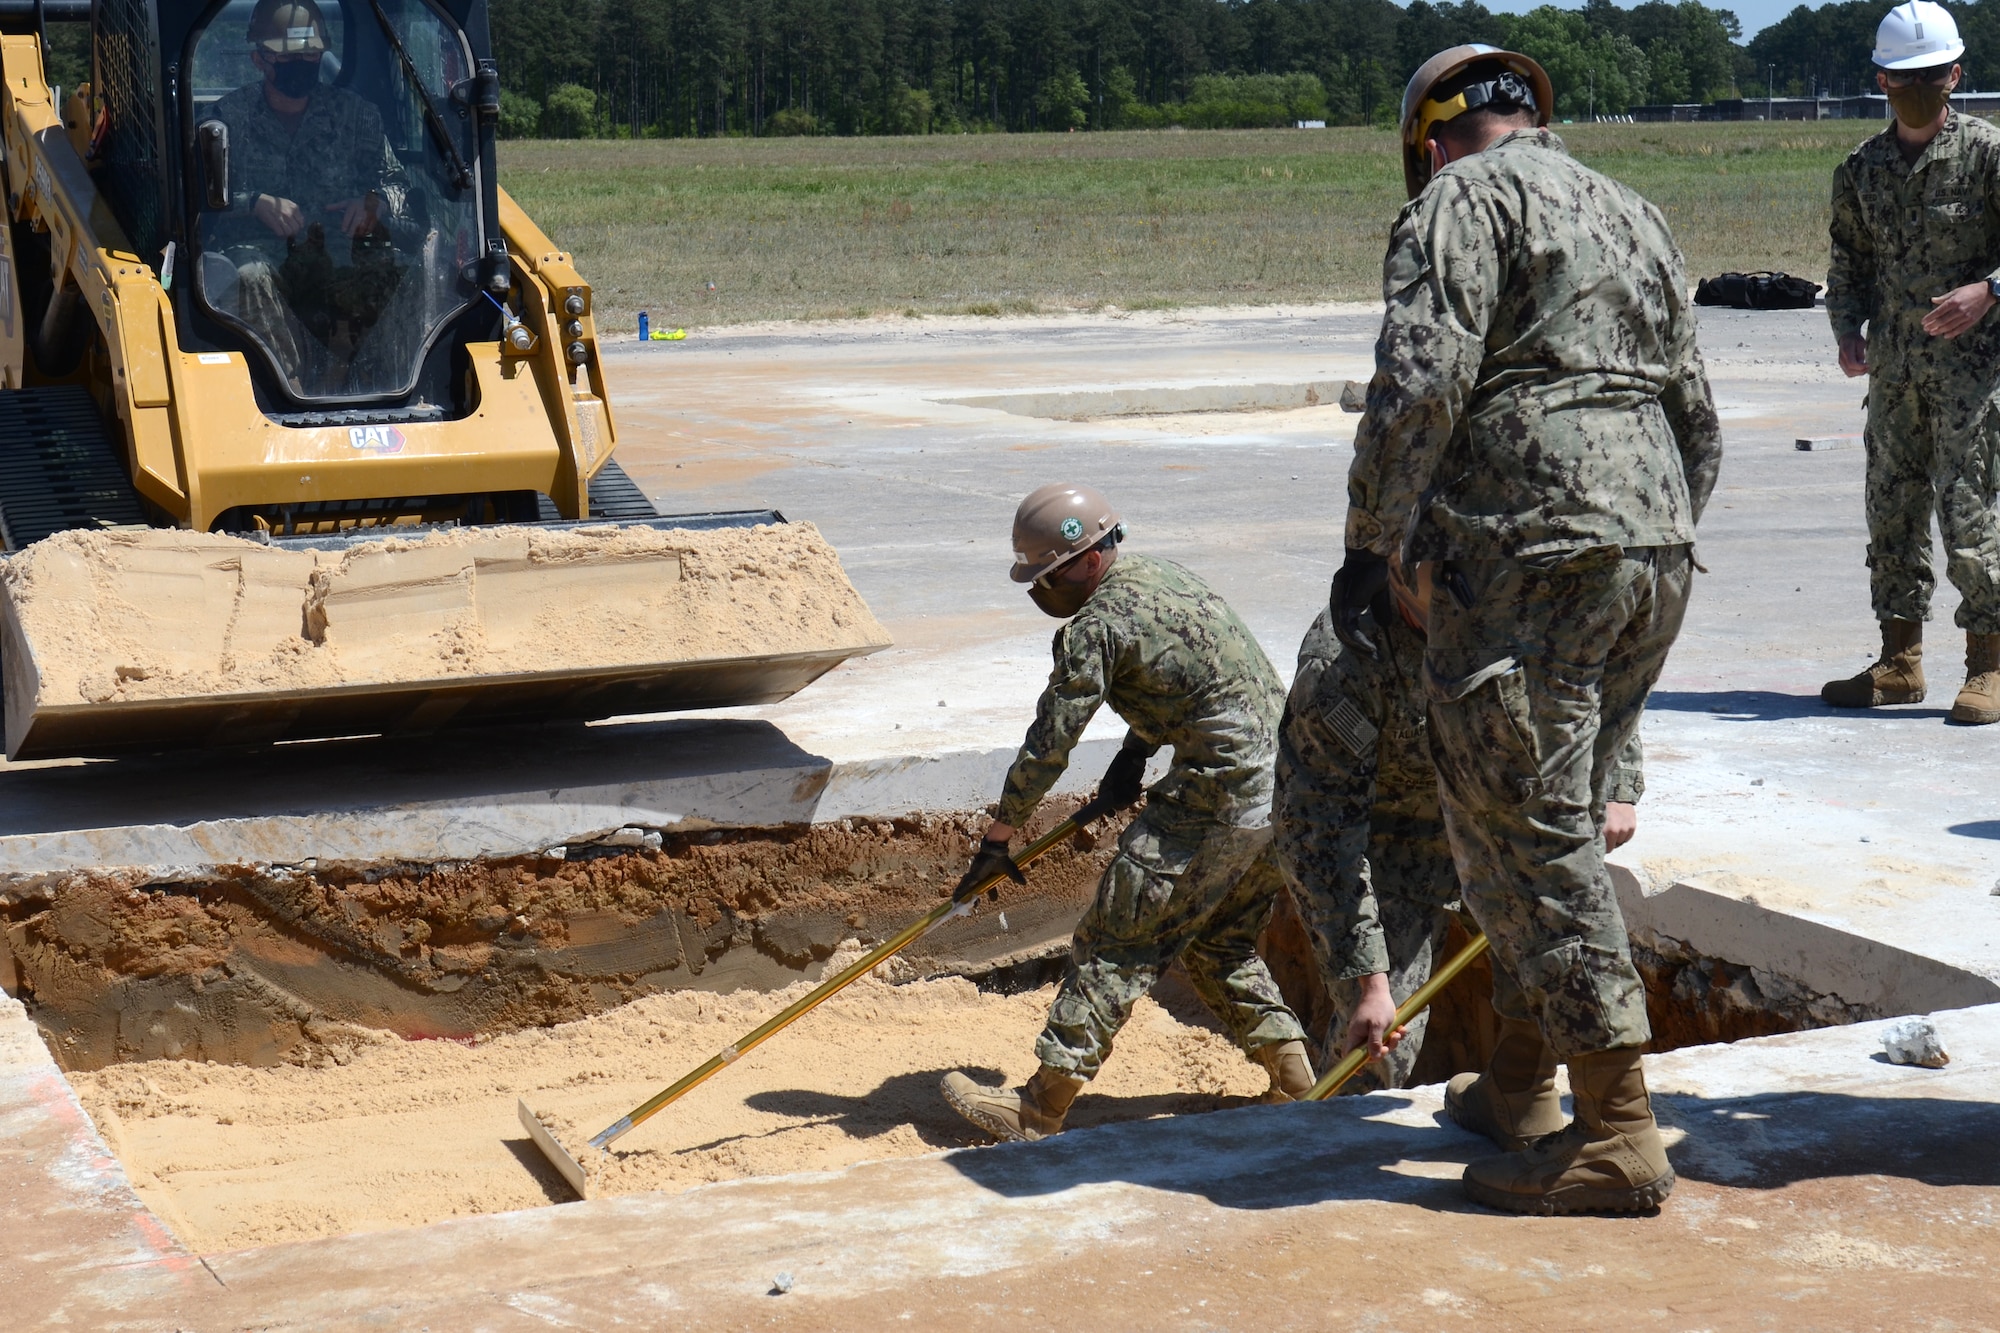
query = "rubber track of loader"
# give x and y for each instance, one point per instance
(613, 495)
(59, 467)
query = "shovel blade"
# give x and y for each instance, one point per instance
(559, 1157)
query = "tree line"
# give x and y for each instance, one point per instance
(639, 68)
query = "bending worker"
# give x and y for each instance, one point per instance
(1914, 278)
(1539, 423)
(1361, 840)
(1191, 879)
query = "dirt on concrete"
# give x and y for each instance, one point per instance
(402, 1133)
(263, 966)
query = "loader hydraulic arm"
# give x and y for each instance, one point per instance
(95, 278)
(555, 304)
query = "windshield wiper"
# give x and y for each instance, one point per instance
(461, 174)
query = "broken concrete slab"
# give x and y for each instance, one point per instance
(497, 793)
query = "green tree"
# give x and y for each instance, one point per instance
(571, 112)
(1591, 70)
(1063, 101)
(520, 115)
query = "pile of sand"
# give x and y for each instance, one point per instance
(111, 616)
(407, 1133)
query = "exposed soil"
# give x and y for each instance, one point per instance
(405, 1133)
(272, 965)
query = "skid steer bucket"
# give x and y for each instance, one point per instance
(131, 640)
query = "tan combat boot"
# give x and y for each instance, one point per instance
(1610, 1159)
(1979, 702)
(1896, 678)
(1290, 1069)
(1035, 1112)
(1514, 1102)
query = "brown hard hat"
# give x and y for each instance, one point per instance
(1054, 525)
(1421, 112)
(287, 28)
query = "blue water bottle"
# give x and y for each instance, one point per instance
(645, 327)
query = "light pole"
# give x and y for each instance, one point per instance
(1770, 92)
(1592, 113)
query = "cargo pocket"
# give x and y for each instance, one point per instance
(1483, 735)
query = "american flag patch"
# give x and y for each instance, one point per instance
(1356, 732)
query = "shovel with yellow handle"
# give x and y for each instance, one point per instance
(576, 1170)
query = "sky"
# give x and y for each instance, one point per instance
(1753, 14)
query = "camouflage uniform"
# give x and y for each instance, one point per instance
(1359, 832)
(293, 293)
(1903, 233)
(1539, 421)
(1190, 880)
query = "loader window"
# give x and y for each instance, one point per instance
(352, 193)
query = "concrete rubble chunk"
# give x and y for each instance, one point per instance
(1915, 1041)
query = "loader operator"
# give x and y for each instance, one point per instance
(1916, 260)
(1539, 423)
(1361, 840)
(305, 158)
(1191, 880)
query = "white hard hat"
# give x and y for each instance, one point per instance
(1917, 35)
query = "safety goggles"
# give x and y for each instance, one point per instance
(1906, 78)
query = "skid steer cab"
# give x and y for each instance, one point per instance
(265, 238)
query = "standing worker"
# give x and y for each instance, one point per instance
(1540, 424)
(1361, 840)
(1191, 879)
(1916, 259)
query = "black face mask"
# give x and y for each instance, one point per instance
(295, 78)
(1062, 599)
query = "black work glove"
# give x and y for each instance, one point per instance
(992, 859)
(1359, 582)
(1123, 783)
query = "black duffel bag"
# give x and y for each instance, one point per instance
(1757, 291)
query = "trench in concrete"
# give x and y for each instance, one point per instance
(281, 965)
(1163, 400)
(309, 965)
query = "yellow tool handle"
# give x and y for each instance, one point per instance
(828, 989)
(1350, 1064)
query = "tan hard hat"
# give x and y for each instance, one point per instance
(287, 28)
(1054, 525)
(1421, 112)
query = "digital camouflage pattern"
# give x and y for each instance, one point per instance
(1904, 232)
(1537, 385)
(1172, 660)
(1166, 895)
(1525, 744)
(337, 152)
(1540, 420)
(300, 294)
(1358, 829)
(1191, 879)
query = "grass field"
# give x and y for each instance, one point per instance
(723, 231)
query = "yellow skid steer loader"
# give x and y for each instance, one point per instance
(303, 430)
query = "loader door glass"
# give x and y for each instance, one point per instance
(351, 206)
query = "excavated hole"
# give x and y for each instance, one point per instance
(265, 966)
(236, 1038)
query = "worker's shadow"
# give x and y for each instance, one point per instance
(1771, 706)
(1344, 1149)
(913, 1101)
